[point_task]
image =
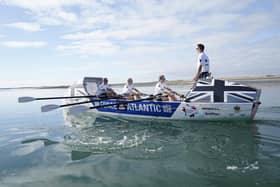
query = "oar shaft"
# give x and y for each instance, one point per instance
(83, 102)
(79, 103)
(47, 108)
(172, 91)
(119, 103)
(71, 97)
(78, 109)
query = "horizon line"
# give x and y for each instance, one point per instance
(172, 82)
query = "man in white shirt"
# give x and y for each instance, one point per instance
(105, 91)
(203, 63)
(130, 92)
(162, 88)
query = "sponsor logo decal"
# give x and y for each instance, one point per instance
(148, 108)
(190, 111)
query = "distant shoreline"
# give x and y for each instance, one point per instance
(242, 79)
(38, 87)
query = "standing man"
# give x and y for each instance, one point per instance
(203, 65)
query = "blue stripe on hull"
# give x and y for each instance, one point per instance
(143, 108)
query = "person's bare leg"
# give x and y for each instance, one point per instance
(171, 97)
(136, 96)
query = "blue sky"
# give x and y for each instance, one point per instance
(59, 41)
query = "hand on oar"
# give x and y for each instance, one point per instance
(176, 93)
(30, 99)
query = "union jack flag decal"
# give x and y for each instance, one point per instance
(214, 90)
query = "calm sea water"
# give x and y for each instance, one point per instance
(39, 149)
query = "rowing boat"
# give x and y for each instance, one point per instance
(209, 99)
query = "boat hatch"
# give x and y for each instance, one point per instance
(91, 84)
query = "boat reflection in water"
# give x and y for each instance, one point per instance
(210, 147)
(196, 153)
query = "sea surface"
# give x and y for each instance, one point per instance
(42, 149)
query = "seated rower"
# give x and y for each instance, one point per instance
(162, 88)
(130, 92)
(105, 91)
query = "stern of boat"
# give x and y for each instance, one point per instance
(86, 87)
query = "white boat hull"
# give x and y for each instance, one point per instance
(176, 110)
(218, 107)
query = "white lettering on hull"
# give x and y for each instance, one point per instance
(145, 107)
(140, 107)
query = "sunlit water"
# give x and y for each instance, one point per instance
(39, 149)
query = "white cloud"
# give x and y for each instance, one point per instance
(31, 27)
(138, 28)
(155, 21)
(256, 21)
(158, 36)
(49, 12)
(90, 48)
(66, 16)
(23, 44)
(161, 35)
(38, 5)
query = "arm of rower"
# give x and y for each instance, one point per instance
(138, 92)
(197, 73)
(111, 90)
(172, 91)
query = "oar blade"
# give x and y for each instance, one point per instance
(26, 99)
(78, 109)
(47, 108)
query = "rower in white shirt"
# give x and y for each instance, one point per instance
(162, 88)
(203, 64)
(130, 92)
(105, 91)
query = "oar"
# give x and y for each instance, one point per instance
(47, 108)
(30, 99)
(172, 91)
(140, 93)
(79, 109)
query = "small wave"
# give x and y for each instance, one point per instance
(154, 150)
(268, 138)
(132, 139)
(244, 169)
(104, 140)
